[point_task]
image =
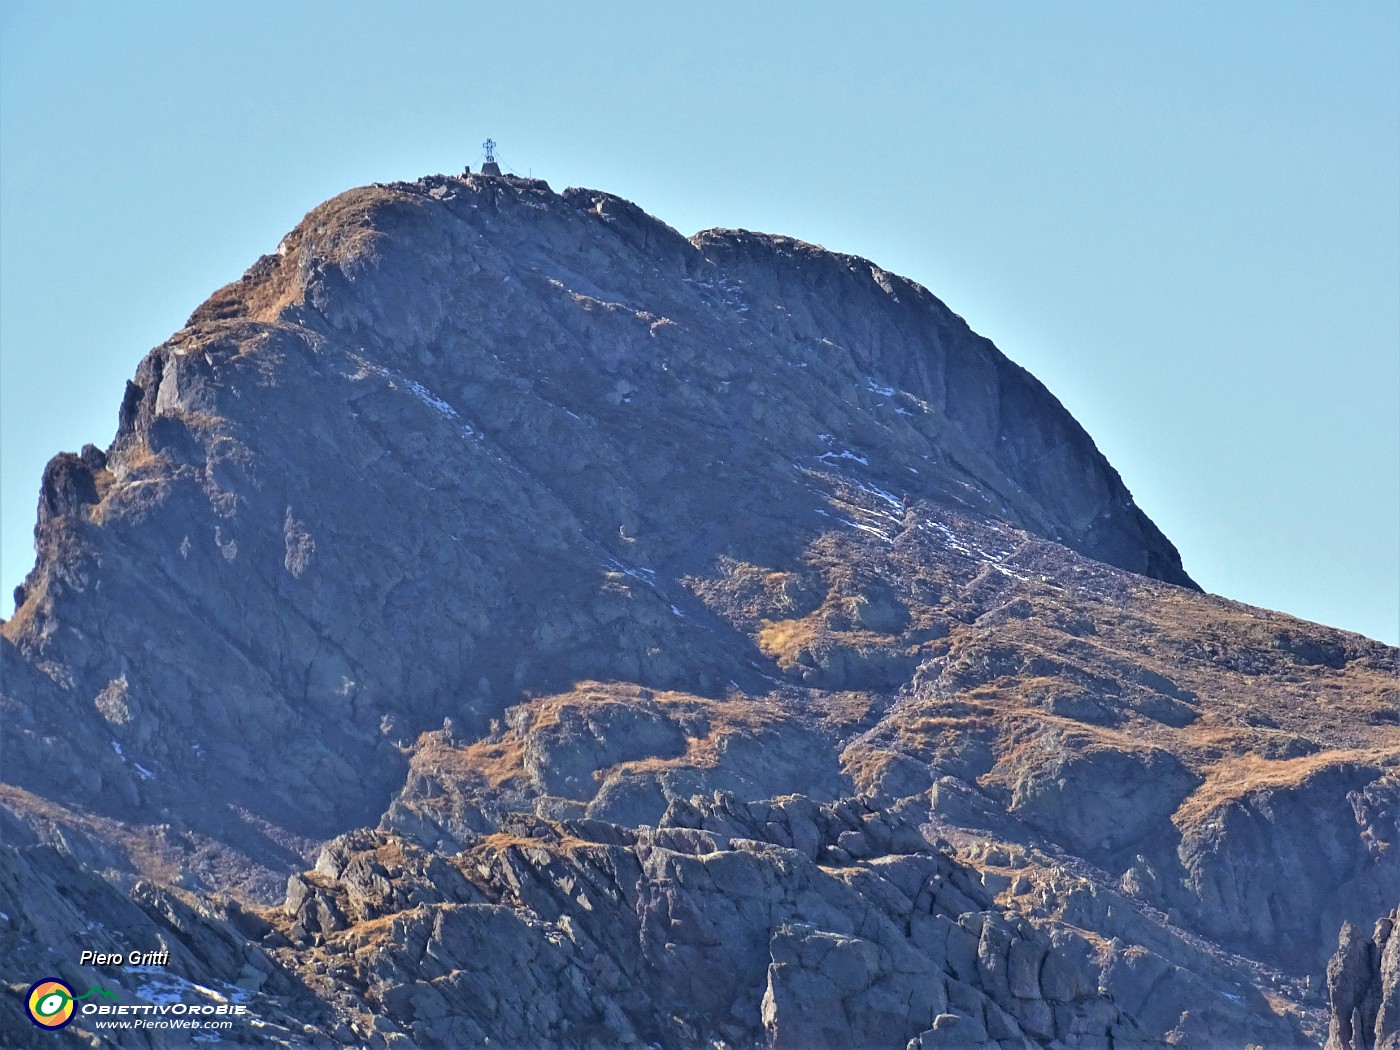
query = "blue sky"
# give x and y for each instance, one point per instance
(1184, 218)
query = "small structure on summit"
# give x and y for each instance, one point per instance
(490, 167)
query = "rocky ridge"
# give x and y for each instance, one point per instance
(1363, 988)
(697, 631)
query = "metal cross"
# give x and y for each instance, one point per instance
(490, 147)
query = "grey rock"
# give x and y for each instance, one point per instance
(566, 559)
(1363, 988)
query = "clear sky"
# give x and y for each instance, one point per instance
(1184, 218)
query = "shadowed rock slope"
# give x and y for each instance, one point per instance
(499, 617)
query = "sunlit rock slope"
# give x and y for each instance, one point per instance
(500, 617)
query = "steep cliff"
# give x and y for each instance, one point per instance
(1363, 988)
(708, 628)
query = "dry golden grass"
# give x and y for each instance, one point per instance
(391, 855)
(1232, 778)
(784, 640)
(144, 845)
(865, 765)
(373, 935)
(500, 763)
(24, 615)
(745, 594)
(139, 459)
(700, 753)
(342, 231)
(1283, 1007)
(1204, 744)
(268, 298)
(494, 763)
(735, 714)
(201, 422)
(501, 841)
(344, 227)
(131, 465)
(372, 929)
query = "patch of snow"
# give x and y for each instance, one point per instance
(876, 388)
(874, 490)
(426, 396)
(166, 989)
(677, 612)
(845, 454)
(647, 576)
(117, 748)
(864, 528)
(991, 558)
(1014, 575)
(146, 774)
(952, 542)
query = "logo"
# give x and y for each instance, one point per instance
(50, 1003)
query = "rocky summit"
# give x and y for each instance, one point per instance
(501, 620)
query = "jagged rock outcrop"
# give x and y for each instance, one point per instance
(52, 909)
(748, 934)
(499, 616)
(1363, 988)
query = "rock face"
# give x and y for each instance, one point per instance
(1363, 988)
(501, 617)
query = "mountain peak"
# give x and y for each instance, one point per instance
(543, 576)
(815, 335)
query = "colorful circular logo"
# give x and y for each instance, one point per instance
(50, 1003)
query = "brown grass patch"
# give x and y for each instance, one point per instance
(745, 594)
(135, 459)
(784, 640)
(498, 763)
(495, 763)
(843, 709)
(562, 843)
(25, 614)
(1232, 778)
(144, 845)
